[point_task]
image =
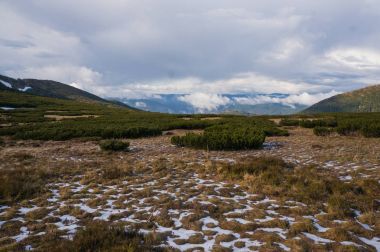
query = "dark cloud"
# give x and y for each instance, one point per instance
(127, 46)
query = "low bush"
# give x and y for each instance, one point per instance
(371, 129)
(318, 123)
(223, 137)
(365, 126)
(322, 131)
(114, 145)
(289, 122)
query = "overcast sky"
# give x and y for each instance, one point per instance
(130, 48)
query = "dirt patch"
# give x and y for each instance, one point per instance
(61, 117)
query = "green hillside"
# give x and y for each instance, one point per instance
(361, 100)
(53, 89)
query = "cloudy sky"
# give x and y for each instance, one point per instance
(203, 48)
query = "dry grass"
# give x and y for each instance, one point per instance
(154, 164)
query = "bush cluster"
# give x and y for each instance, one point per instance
(223, 137)
(318, 123)
(289, 122)
(322, 131)
(114, 145)
(365, 126)
(346, 124)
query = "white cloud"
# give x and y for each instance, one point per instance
(302, 99)
(122, 48)
(78, 76)
(205, 102)
(140, 104)
(241, 83)
(356, 58)
(27, 44)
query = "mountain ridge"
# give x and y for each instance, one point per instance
(54, 89)
(366, 99)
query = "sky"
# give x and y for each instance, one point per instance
(200, 49)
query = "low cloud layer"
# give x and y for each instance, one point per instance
(204, 102)
(302, 99)
(129, 48)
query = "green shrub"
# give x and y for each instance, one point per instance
(364, 125)
(114, 145)
(318, 123)
(322, 131)
(371, 129)
(289, 122)
(223, 137)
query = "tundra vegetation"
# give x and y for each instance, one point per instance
(345, 124)
(210, 183)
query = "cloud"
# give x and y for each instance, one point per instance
(242, 83)
(301, 99)
(77, 76)
(140, 104)
(123, 48)
(205, 102)
(356, 58)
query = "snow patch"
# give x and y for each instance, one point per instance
(375, 242)
(5, 83)
(24, 89)
(7, 108)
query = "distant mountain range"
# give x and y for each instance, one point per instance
(53, 89)
(361, 100)
(238, 104)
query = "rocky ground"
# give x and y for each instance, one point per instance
(162, 189)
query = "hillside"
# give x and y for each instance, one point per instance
(361, 100)
(52, 89)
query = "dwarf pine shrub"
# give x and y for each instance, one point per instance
(322, 131)
(223, 137)
(114, 145)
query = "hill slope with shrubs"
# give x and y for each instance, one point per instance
(53, 89)
(361, 100)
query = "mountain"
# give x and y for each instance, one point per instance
(361, 100)
(53, 89)
(237, 104)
